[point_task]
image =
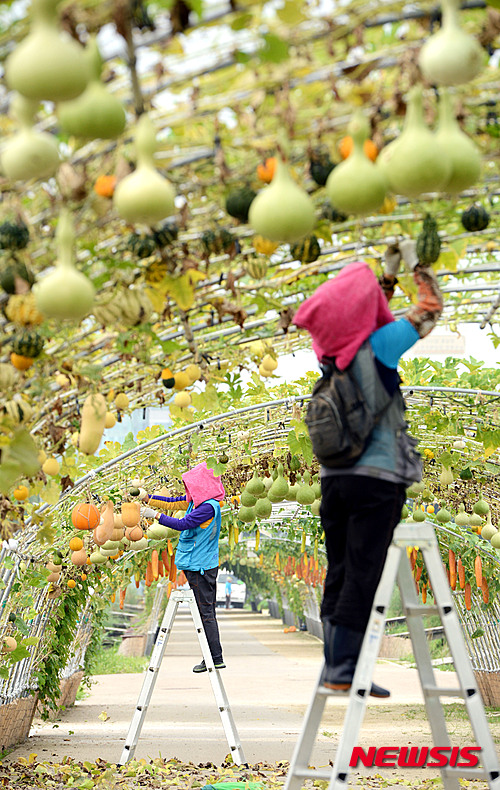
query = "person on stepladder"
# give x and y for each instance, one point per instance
(197, 552)
(228, 590)
(349, 320)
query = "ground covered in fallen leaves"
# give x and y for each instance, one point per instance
(172, 774)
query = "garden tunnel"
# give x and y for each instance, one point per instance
(285, 547)
(227, 87)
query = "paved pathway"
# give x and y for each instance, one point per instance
(268, 680)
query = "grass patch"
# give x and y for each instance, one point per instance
(108, 662)
(452, 711)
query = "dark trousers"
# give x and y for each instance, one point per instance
(204, 587)
(358, 515)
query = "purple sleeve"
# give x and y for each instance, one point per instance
(197, 516)
(167, 498)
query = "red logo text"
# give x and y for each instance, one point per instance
(416, 756)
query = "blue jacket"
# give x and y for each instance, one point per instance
(198, 549)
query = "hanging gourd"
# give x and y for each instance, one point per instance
(28, 154)
(443, 515)
(246, 514)
(85, 516)
(462, 518)
(144, 195)
(105, 528)
(65, 293)
(92, 424)
(446, 477)
(48, 65)
(247, 499)
(451, 56)
(96, 112)
(305, 493)
(255, 485)
(292, 492)
(481, 507)
(474, 218)
(282, 211)
(464, 156)
(131, 514)
(279, 488)
(263, 508)
(415, 162)
(428, 242)
(356, 186)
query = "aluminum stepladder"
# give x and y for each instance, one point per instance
(397, 567)
(177, 597)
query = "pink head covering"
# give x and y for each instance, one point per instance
(343, 312)
(201, 484)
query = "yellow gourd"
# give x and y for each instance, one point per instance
(48, 64)
(110, 420)
(131, 514)
(51, 467)
(182, 399)
(79, 557)
(144, 195)
(121, 401)
(93, 422)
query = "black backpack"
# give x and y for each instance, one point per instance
(338, 418)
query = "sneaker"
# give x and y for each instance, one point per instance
(201, 667)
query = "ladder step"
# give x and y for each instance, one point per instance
(439, 691)
(322, 691)
(313, 773)
(419, 609)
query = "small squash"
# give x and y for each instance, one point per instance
(105, 528)
(85, 515)
(346, 147)
(257, 269)
(131, 514)
(22, 309)
(320, 166)
(475, 218)
(105, 186)
(28, 343)
(20, 362)
(265, 171)
(93, 420)
(79, 557)
(307, 250)
(428, 242)
(238, 203)
(76, 544)
(14, 272)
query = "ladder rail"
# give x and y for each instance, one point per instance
(151, 674)
(397, 569)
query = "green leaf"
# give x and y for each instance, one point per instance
(241, 57)
(50, 493)
(274, 49)
(241, 22)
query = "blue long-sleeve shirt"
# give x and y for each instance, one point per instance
(197, 516)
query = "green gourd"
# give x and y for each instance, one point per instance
(317, 486)
(14, 235)
(451, 56)
(315, 507)
(307, 250)
(48, 65)
(418, 514)
(96, 558)
(464, 156)
(404, 512)
(65, 293)
(28, 154)
(415, 162)
(443, 515)
(282, 211)
(446, 476)
(96, 112)
(475, 218)
(268, 481)
(11, 272)
(305, 493)
(475, 520)
(246, 514)
(481, 507)
(28, 343)
(144, 195)
(415, 489)
(256, 268)
(238, 203)
(279, 488)
(428, 242)
(255, 485)
(489, 532)
(356, 185)
(247, 499)
(263, 508)
(462, 518)
(292, 492)
(138, 545)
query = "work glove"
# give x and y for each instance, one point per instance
(392, 259)
(148, 512)
(408, 249)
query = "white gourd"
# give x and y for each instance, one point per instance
(96, 113)
(416, 162)
(356, 185)
(65, 293)
(48, 64)
(28, 154)
(464, 156)
(451, 56)
(282, 211)
(144, 195)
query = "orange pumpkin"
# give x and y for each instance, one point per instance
(346, 145)
(85, 516)
(266, 170)
(105, 186)
(76, 544)
(20, 362)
